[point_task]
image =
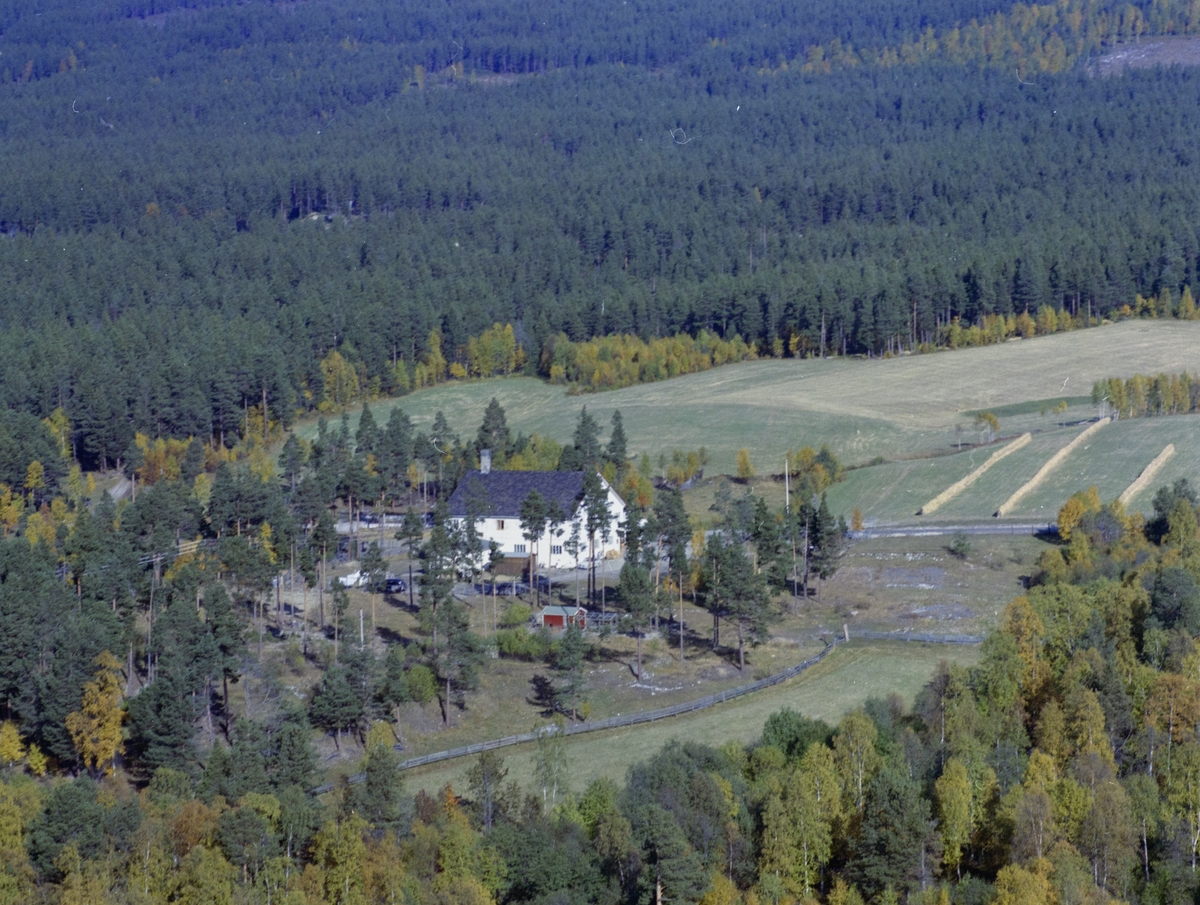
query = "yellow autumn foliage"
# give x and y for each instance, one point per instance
(95, 728)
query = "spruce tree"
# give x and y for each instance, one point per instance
(587, 440)
(380, 798)
(336, 705)
(494, 433)
(618, 447)
(366, 438)
(569, 655)
(895, 831)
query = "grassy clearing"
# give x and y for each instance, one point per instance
(1040, 407)
(892, 408)
(915, 584)
(835, 686)
(1114, 457)
(893, 492)
(505, 701)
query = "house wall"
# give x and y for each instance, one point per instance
(513, 543)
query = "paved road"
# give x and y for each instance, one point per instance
(945, 530)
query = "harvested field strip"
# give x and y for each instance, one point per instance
(1147, 475)
(982, 499)
(1112, 459)
(1184, 465)
(890, 493)
(1056, 460)
(959, 486)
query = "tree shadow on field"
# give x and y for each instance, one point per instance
(543, 695)
(391, 636)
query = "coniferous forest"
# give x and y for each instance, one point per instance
(217, 218)
(200, 202)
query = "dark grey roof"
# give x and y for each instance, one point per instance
(499, 494)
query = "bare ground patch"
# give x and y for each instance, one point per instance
(1148, 53)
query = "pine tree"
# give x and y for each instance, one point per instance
(437, 580)
(674, 532)
(731, 587)
(374, 569)
(394, 453)
(484, 781)
(673, 871)
(534, 512)
(598, 517)
(637, 597)
(411, 533)
(459, 657)
(291, 458)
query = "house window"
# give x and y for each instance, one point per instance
(556, 549)
(519, 548)
(499, 524)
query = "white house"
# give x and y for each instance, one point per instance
(495, 497)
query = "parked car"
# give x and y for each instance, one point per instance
(394, 585)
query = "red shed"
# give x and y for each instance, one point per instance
(562, 616)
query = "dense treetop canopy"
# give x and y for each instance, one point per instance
(200, 203)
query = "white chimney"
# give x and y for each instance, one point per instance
(485, 461)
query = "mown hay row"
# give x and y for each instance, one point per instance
(1148, 474)
(1055, 460)
(959, 486)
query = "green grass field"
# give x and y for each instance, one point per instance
(985, 496)
(891, 493)
(894, 491)
(1113, 459)
(835, 686)
(862, 409)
